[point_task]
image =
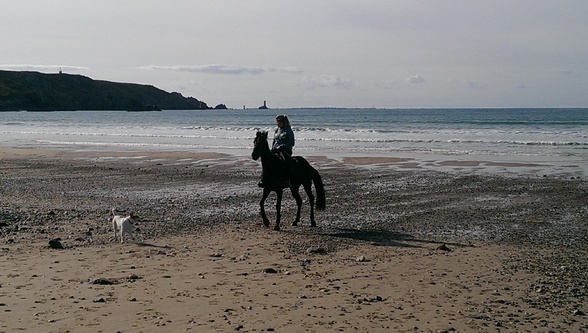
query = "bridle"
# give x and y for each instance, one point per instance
(260, 146)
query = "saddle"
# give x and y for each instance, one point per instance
(284, 171)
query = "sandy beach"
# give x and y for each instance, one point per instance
(398, 248)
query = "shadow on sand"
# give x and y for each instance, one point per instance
(386, 238)
(143, 244)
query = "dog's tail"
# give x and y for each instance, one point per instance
(113, 210)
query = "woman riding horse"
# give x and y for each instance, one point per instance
(301, 173)
(282, 144)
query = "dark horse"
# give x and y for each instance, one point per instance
(301, 173)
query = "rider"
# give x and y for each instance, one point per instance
(282, 145)
(283, 136)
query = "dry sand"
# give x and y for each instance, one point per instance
(395, 251)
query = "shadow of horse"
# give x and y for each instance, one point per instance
(386, 238)
(375, 237)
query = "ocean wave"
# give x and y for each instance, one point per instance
(450, 141)
(383, 132)
(231, 135)
(167, 146)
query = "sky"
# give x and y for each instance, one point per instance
(314, 53)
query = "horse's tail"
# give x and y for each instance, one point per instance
(320, 190)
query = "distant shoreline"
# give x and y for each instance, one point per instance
(320, 108)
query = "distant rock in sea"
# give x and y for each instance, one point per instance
(34, 91)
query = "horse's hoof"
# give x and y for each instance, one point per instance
(313, 224)
(266, 224)
(277, 228)
(294, 224)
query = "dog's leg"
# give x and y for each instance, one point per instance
(132, 233)
(114, 226)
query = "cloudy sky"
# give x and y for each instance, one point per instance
(314, 53)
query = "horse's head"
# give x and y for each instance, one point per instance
(260, 145)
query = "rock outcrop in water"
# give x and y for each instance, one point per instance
(34, 91)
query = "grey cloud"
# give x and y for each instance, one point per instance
(415, 79)
(42, 68)
(472, 84)
(326, 81)
(225, 69)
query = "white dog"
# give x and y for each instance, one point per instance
(124, 225)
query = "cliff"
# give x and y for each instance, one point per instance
(34, 91)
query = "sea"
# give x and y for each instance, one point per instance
(527, 140)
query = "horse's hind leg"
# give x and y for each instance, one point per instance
(298, 199)
(266, 222)
(308, 190)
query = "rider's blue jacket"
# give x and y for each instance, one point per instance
(283, 140)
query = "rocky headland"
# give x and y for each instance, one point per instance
(34, 91)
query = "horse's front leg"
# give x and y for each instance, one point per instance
(298, 199)
(278, 208)
(266, 193)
